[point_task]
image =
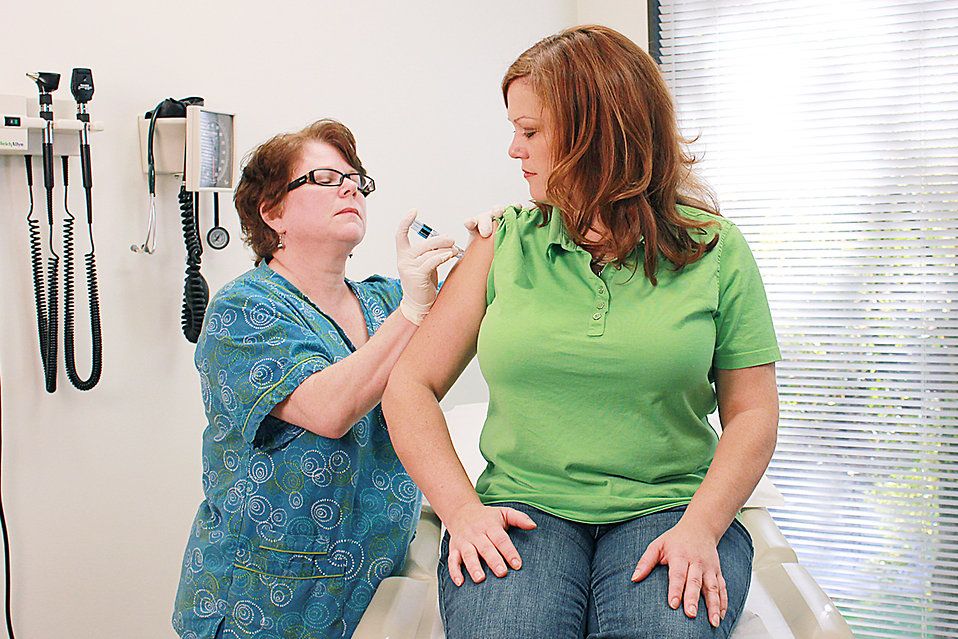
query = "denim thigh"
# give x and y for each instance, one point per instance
(547, 597)
(620, 608)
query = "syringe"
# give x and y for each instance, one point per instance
(425, 232)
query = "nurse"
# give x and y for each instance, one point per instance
(306, 506)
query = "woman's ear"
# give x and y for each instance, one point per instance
(273, 217)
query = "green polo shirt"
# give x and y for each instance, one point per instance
(599, 386)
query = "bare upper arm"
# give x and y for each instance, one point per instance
(446, 342)
(743, 389)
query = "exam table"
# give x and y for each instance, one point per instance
(784, 602)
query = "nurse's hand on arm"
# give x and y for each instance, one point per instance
(432, 362)
(748, 407)
(482, 224)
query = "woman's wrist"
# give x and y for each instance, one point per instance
(453, 510)
(705, 523)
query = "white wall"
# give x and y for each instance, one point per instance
(100, 487)
(629, 18)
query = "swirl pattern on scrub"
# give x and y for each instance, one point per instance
(296, 530)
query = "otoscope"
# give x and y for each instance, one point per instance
(47, 83)
(81, 85)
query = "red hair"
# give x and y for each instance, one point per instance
(618, 157)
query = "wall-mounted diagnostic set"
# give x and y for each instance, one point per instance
(48, 128)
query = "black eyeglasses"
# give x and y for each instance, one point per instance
(332, 177)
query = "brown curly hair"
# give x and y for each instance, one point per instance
(267, 171)
(619, 158)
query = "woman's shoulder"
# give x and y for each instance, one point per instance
(700, 215)
(517, 216)
(524, 224)
(716, 224)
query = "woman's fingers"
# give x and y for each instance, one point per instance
(723, 596)
(649, 560)
(484, 538)
(471, 559)
(490, 554)
(713, 603)
(678, 571)
(455, 567)
(693, 589)
(517, 518)
(504, 547)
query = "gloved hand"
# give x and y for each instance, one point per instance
(481, 225)
(417, 269)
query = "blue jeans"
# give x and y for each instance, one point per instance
(575, 582)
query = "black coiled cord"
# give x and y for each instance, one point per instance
(36, 265)
(69, 327)
(44, 295)
(53, 267)
(196, 292)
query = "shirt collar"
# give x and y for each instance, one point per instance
(559, 236)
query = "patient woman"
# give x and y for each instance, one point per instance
(306, 506)
(602, 316)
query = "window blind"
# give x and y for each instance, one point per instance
(829, 131)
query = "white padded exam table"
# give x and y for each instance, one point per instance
(784, 602)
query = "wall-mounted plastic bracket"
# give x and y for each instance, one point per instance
(21, 127)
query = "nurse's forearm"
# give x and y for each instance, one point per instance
(330, 401)
(421, 439)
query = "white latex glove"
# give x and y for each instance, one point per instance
(417, 269)
(481, 225)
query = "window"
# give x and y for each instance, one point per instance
(829, 131)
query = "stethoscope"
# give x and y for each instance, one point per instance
(218, 237)
(149, 244)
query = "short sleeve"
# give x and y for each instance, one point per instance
(744, 334)
(508, 219)
(255, 350)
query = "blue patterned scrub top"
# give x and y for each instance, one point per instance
(296, 530)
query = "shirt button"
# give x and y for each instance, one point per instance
(597, 316)
(601, 304)
(601, 290)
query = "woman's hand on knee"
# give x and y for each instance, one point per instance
(477, 533)
(694, 570)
